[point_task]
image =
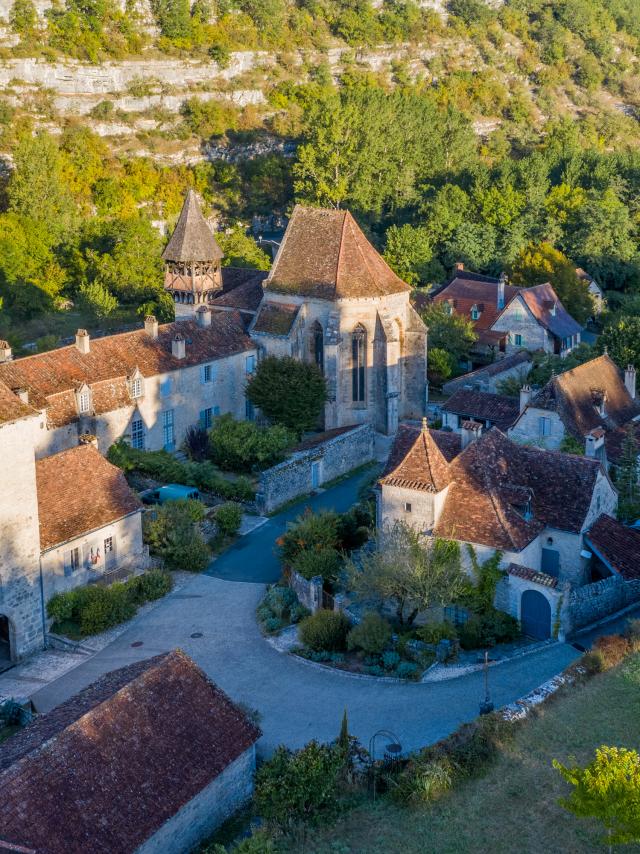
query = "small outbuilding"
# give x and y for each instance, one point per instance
(151, 758)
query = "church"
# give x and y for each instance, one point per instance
(329, 298)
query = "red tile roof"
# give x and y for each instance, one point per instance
(467, 290)
(242, 290)
(325, 255)
(617, 545)
(11, 407)
(496, 408)
(52, 378)
(543, 302)
(79, 491)
(275, 319)
(105, 770)
(532, 575)
(417, 461)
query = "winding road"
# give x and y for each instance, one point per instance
(297, 701)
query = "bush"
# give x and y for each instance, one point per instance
(488, 629)
(423, 781)
(104, 607)
(632, 634)
(407, 670)
(228, 518)
(325, 630)
(61, 606)
(243, 446)
(196, 444)
(325, 562)
(471, 747)
(371, 635)
(280, 600)
(150, 586)
(171, 532)
(390, 659)
(279, 607)
(309, 532)
(353, 527)
(611, 649)
(435, 632)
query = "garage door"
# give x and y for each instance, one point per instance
(535, 615)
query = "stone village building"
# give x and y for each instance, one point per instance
(150, 758)
(534, 506)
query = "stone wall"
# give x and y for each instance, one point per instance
(595, 601)
(309, 592)
(330, 459)
(200, 816)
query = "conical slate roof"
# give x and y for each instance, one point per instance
(416, 461)
(192, 238)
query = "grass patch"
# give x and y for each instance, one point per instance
(513, 808)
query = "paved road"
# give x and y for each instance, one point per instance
(252, 558)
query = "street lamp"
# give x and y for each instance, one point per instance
(486, 706)
(393, 747)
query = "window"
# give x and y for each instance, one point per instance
(136, 387)
(206, 418)
(250, 365)
(108, 545)
(448, 308)
(358, 363)
(168, 437)
(166, 387)
(517, 340)
(207, 373)
(138, 434)
(475, 314)
(318, 346)
(72, 561)
(249, 412)
(544, 426)
(84, 401)
(407, 507)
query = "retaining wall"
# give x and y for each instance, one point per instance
(594, 601)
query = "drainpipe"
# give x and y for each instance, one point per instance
(42, 610)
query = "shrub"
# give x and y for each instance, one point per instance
(488, 629)
(353, 527)
(154, 584)
(324, 561)
(309, 532)
(390, 659)
(61, 606)
(611, 649)
(171, 533)
(228, 518)
(280, 600)
(632, 634)
(273, 624)
(243, 446)
(196, 443)
(288, 392)
(423, 781)
(192, 555)
(474, 745)
(371, 635)
(325, 630)
(407, 670)
(435, 632)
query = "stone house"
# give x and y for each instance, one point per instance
(331, 299)
(488, 377)
(595, 291)
(533, 506)
(592, 404)
(150, 758)
(149, 385)
(508, 318)
(90, 520)
(481, 407)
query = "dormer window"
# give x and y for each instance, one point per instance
(448, 308)
(136, 387)
(475, 312)
(84, 401)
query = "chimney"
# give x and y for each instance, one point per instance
(82, 341)
(88, 439)
(203, 316)
(525, 397)
(178, 347)
(459, 266)
(630, 381)
(22, 393)
(151, 326)
(594, 443)
(5, 351)
(501, 283)
(471, 432)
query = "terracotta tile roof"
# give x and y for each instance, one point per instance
(275, 318)
(79, 491)
(105, 770)
(496, 408)
(192, 238)
(616, 545)
(469, 289)
(324, 254)
(491, 371)
(571, 395)
(540, 578)
(540, 301)
(52, 378)
(318, 438)
(493, 479)
(241, 289)
(416, 460)
(11, 407)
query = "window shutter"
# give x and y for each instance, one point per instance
(203, 417)
(202, 376)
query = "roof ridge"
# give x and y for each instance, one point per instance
(340, 248)
(365, 261)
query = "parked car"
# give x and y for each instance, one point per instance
(170, 492)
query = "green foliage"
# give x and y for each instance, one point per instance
(546, 365)
(452, 333)
(571, 445)
(23, 19)
(372, 634)
(607, 789)
(409, 252)
(426, 781)
(309, 532)
(621, 339)
(174, 19)
(279, 608)
(487, 629)
(97, 300)
(209, 118)
(228, 518)
(171, 533)
(626, 478)
(300, 787)
(288, 392)
(323, 561)
(435, 632)
(440, 365)
(243, 446)
(241, 250)
(196, 443)
(481, 595)
(325, 630)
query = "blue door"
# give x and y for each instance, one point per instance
(535, 615)
(550, 562)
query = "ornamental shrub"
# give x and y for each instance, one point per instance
(325, 630)
(324, 561)
(435, 632)
(288, 392)
(309, 532)
(154, 584)
(423, 781)
(228, 518)
(280, 600)
(390, 659)
(171, 532)
(407, 670)
(61, 606)
(371, 635)
(243, 446)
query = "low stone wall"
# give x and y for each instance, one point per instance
(327, 460)
(593, 602)
(308, 592)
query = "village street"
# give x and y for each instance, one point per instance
(212, 619)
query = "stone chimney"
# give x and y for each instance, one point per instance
(5, 351)
(525, 397)
(23, 394)
(500, 298)
(88, 439)
(630, 381)
(151, 326)
(83, 344)
(594, 443)
(470, 432)
(203, 316)
(178, 347)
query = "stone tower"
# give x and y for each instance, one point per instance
(192, 261)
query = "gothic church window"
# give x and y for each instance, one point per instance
(318, 345)
(358, 363)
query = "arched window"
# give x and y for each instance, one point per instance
(317, 343)
(358, 363)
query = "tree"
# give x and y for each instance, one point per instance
(452, 333)
(241, 250)
(412, 573)
(608, 789)
(409, 252)
(288, 392)
(440, 365)
(97, 300)
(622, 341)
(24, 19)
(540, 263)
(626, 477)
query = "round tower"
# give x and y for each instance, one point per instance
(192, 261)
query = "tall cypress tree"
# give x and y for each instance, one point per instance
(627, 478)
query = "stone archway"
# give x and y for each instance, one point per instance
(6, 642)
